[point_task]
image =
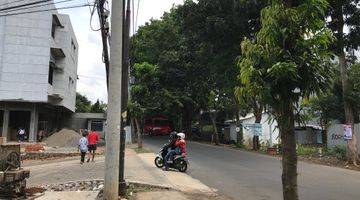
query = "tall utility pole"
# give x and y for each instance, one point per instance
(124, 95)
(104, 37)
(112, 137)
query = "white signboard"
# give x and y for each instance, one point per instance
(347, 132)
(255, 128)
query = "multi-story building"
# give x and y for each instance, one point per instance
(38, 70)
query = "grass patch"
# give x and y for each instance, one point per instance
(306, 150)
(338, 151)
(239, 146)
(133, 189)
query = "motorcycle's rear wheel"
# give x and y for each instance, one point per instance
(159, 162)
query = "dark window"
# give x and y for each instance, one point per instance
(148, 121)
(161, 123)
(51, 75)
(97, 125)
(53, 28)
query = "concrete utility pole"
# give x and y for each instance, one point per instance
(111, 189)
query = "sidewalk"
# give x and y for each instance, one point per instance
(139, 168)
(173, 179)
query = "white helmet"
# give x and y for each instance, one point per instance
(181, 135)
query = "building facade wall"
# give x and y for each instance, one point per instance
(65, 81)
(335, 135)
(270, 132)
(34, 49)
(24, 56)
(25, 50)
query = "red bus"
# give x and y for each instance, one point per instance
(158, 125)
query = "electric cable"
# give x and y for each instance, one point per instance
(36, 6)
(1, 5)
(137, 14)
(45, 10)
(92, 11)
(24, 5)
(133, 16)
(92, 76)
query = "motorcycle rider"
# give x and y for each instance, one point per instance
(180, 149)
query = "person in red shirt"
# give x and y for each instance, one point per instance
(93, 139)
(179, 150)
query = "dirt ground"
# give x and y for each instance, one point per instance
(329, 161)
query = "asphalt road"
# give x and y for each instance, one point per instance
(250, 176)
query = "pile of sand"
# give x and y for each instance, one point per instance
(63, 138)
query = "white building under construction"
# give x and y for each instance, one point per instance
(38, 69)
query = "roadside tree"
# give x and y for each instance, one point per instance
(293, 48)
(346, 14)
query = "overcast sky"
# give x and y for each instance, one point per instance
(91, 70)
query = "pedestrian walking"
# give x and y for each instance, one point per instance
(21, 134)
(40, 135)
(83, 147)
(93, 139)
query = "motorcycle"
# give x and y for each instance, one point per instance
(180, 162)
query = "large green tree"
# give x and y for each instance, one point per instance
(160, 43)
(346, 14)
(98, 107)
(195, 47)
(292, 46)
(212, 32)
(82, 103)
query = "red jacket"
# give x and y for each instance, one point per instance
(93, 137)
(182, 145)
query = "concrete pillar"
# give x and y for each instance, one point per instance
(34, 120)
(89, 125)
(5, 126)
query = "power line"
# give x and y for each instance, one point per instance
(133, 16)
(91, 76)
(45, 10)
(137, 14)
(92, 11)
(26, 4)
(37, 6)
(1, 5)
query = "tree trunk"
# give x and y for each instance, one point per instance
(216, 134)
(349, 112)
(187, 120)
(138, 131)
(258, 109)
(289, 156)
(287, 132)
(133, 133)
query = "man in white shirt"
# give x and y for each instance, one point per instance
(21, 134)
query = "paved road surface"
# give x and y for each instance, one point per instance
(251, 176)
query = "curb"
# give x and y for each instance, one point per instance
(143, 184)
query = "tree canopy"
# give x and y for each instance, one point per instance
(83, 105)
(286, 62)
(195, 47)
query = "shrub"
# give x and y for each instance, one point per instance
(305, 150)
(207, 129)
(338, 151)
